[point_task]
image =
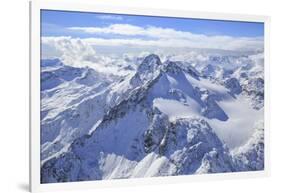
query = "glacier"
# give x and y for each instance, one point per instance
(163, 116)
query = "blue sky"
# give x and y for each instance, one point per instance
(64, 31)
(56, 23)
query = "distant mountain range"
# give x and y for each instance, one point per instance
(164, 118)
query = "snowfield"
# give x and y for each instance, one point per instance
(190, 113)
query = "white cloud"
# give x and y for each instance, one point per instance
(78, 53)
(70, 50)
(167, 37)
(82, 51)
(120, 29)
(133, 30)
(110, 17)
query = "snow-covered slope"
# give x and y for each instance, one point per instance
(166, 118)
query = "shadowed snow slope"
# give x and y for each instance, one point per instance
(164, 119)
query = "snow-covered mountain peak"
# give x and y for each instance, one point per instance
(172, 67)
(164, 118)
(150, 63)
(152, 67)
(148, 70)
(178, 66)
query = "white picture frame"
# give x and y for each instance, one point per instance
(36, 6)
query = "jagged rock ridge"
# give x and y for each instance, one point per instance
(154, 122)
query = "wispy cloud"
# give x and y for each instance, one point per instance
(130, 37)
(133, 30)
(167, 37)
(110, 17)
(117, 29)
(82, 52)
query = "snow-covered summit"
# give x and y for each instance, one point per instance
(166, 118)
(150, 63)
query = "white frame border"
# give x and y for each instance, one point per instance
(34, 102)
